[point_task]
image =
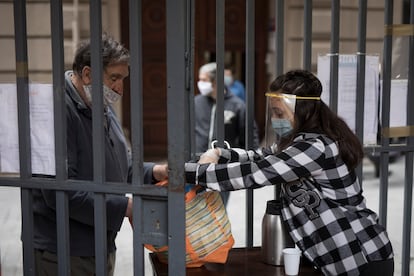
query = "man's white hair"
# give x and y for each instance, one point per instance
(210, 70)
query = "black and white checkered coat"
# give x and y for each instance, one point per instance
(323, 205)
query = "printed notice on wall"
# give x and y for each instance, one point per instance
(347, 94)
(398, 102)
(41, 129)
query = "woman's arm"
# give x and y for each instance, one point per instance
(299, 160)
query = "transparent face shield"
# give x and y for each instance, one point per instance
(280, 113)
(280, 116)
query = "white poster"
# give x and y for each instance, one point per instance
(347, 94)
(41, 128)
(398, 102)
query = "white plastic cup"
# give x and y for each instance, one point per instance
(291, 257)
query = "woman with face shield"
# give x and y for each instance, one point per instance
(311, 158)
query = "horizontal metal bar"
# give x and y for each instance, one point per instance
(87, 186)
(388, 148)
(155, 238)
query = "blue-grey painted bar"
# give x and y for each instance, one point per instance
(83, 185)
(178, 140)
(62, 210)
(191, 80)
(409, 159)
(250, 73)
(385, 116)
(27, 233)
(280, 40)
(334, 56)
(24, 133)
(220, 9)
(135, 42)
(98, 136)
(307, 35)
(360, 75)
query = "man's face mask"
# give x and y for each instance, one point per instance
(280, 115)
(109, 95)
(205, 87)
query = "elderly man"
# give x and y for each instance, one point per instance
(80, 165)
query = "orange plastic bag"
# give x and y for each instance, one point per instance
(208, 236)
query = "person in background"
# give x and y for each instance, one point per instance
(235, 86)
(78, 97)
(205, 112)
(312, 159)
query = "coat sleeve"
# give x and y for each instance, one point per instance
(299, 160)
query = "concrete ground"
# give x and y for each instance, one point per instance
(10, 224)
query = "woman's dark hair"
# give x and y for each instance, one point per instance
(315, 116)
(112, 52)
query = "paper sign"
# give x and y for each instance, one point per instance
(41, 129)
(347, 94)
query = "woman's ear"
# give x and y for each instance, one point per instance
(86, 75)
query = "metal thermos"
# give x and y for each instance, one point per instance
(275, 236)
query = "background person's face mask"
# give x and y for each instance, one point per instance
(205, 87)
(109, 95)
(228, 80)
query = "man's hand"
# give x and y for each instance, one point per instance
(210, 156)
(160, 172)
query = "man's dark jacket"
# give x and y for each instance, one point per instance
(80, 167)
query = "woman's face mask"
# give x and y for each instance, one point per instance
(205, 87)
(282, 127)
(109, 95)
(280, 115)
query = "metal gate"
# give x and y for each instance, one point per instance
(168, 203)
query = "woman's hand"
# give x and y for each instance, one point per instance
(210, 156)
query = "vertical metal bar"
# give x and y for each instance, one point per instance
(333, 97)
(409, 159)
(385, 116)
(22, 85)
(98, 136)
(178, 150)
(360, 76)
(407, 215)
(280, 41)
(220, 6)
(62, 210)
(135, 27)
(135, 42)
(27, 233)
(307, 35)
(190, 31)
(250, 72)
(279, 36)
